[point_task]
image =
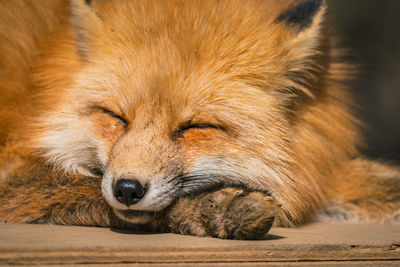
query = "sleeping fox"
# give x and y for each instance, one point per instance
(209, 118)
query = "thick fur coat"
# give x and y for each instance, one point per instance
(226, 114)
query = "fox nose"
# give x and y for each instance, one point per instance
(128, 191)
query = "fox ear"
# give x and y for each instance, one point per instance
(302, 15)
(302, 24)
(86, 24)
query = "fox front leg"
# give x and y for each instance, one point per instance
(230, 213)
(54, 198)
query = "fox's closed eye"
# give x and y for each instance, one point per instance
(185, 128)
(112, 114)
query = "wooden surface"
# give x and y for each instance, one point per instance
(318, 244)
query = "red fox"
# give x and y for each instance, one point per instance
(209, 118)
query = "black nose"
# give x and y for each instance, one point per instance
(128, 191)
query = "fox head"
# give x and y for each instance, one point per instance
(169, 98)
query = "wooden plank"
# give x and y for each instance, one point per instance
(314, 243)
(245, 264)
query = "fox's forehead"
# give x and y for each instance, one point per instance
(182, 37)
(154, 15)
(180, 48)
(178, 92)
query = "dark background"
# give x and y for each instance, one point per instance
(371, 29)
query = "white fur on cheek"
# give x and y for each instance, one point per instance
(69, 145)
(67, 141)
(247, 170)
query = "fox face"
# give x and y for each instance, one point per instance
(172, 98)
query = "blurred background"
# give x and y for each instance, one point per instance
(371, 28)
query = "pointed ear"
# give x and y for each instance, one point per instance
(302, 24)
(302, 15)
(303, 21)
(86, 24)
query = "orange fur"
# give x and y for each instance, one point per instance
(186, 97)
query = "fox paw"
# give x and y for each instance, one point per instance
(228, 213)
